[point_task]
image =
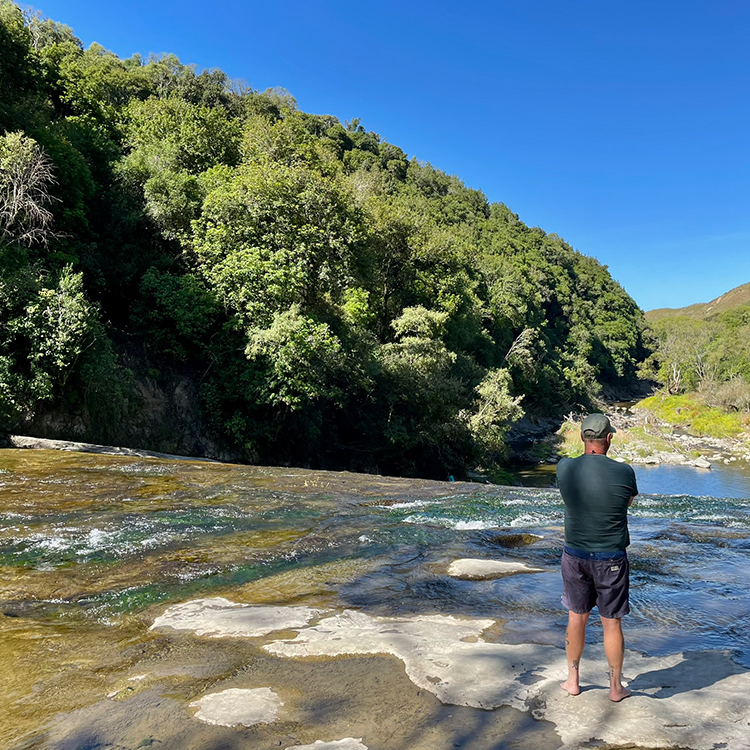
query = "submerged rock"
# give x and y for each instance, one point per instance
(480, 570)
(235, 706)
(515, 540)
(219, 618)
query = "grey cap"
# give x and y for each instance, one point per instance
(596, 427)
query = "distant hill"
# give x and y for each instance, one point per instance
(704, 310)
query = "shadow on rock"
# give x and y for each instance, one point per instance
(699, 669)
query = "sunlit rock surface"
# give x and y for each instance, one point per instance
(235, 706)
(693, 700)
(472, 569)
(442, 654)
(679, 700)
(348, 743)
(219, 618)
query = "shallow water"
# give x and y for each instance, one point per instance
(718, 481)
(93, 547)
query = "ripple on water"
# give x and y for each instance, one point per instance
(136, 532)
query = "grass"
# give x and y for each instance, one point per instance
(568, 439)
(695, 417)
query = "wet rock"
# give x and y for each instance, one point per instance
(235, 706)
(481, 570)
(24, 441)
(515, 540)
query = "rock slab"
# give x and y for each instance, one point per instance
(681, 700)
(220, 618)
(480, 570)
(348, 743)
(235, 706)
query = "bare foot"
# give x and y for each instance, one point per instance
(570, 688)
(618, 694)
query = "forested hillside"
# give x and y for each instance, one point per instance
(327, 300)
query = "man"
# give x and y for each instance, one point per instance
(597, 492)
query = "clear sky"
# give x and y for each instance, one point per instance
(623, 127)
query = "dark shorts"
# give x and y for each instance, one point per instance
(601, 581)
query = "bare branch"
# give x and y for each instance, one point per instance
(25, 178)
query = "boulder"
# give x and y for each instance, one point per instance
(514, 539)
(481, 570)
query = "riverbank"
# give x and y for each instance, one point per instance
(645, 438)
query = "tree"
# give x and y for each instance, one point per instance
(493, 413)
(304, 360)
(274, 236)
(683, 354)
(25, 179)
(45, 330)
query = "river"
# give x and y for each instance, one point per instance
(732, 480)
(93, 548)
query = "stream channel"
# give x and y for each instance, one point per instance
(93, 548)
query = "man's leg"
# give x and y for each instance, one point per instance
(614, 648)
(575, 640)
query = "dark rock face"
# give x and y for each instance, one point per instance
(162, 417)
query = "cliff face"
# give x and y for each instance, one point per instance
(163, 417)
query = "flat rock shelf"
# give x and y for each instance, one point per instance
(181, 604)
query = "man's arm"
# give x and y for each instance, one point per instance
(634, 487)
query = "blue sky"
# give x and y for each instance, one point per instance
(622, 127)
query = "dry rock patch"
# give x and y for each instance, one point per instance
(480, 570)
(348, 743)
(220, 618)
(235, 706)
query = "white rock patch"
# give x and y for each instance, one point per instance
(442, 654)
(236, 706)
(348, 743)
(472, 569)
(678, 701)
(220, 618)
(696, 717)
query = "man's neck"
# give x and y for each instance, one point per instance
(597, 450)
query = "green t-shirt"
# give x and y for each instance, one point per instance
(596, 491)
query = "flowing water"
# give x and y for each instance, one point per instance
(93, 547)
